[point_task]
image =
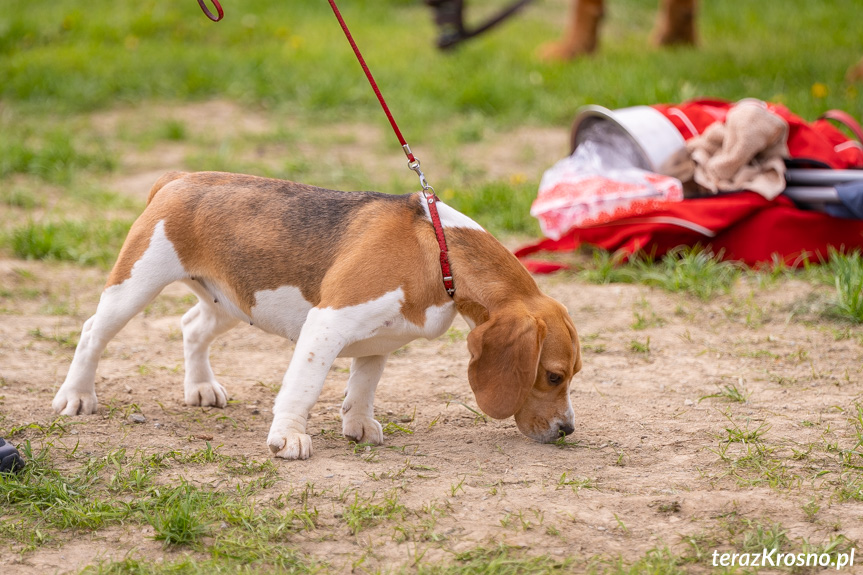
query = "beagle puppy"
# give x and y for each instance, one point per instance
(341, 274)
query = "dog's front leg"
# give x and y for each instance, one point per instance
(320, 342)
(358, 409)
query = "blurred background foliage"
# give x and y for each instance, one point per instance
(69, 55)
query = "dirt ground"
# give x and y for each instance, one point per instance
(650, 465)
(641, 470)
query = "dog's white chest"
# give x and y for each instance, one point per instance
(371, 328)
(390, 334)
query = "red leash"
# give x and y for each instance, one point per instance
(413, 161)
(209, 14)
(371, 80)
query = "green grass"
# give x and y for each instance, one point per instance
(17, 198)
(576, 483)
(230, 528)
(494, 560)
(831, 464)
(87, 243)
(729, 392)
(607, 267)
(117, 489)
(499, 560)
(58, 55)
(68, 340)
(658, 561)
(687, 269)
(285, 560)
(365, 512)
(500, 206)
(53, 156)
(224, 530)
(638, 346)
(690, 269)
(847, 270)
(177, 519)
(96, 494)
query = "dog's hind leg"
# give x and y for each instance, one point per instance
(358, 409)
(201, 325)
(148, 274)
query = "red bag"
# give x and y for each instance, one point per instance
(740, 226)
(815, 144)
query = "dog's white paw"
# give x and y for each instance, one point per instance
(73, 403)
(206, 394)
(362, 429)
(290, 445)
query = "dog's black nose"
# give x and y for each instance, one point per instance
(565, 429)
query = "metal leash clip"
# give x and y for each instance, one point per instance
(414, 164)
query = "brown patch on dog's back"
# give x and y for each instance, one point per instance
(390, 246)
(247, 234)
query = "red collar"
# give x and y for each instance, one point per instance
(432, 200)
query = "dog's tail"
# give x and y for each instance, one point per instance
(161, 182)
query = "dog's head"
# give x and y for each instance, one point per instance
(522, 361)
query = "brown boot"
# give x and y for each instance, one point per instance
(675, 23)
(581, 34)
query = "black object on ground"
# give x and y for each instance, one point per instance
(10, 459)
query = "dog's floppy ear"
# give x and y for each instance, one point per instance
(504, 355)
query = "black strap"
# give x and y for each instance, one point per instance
(449, 17)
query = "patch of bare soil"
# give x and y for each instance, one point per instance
(644, 469)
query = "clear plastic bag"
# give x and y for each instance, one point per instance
(599, 183)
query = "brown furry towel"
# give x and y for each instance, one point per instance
(743, 153)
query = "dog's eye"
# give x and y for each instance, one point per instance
(555, 379)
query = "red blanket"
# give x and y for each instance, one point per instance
(740, 226)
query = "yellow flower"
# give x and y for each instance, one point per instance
(819, 90)
(517, 178)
